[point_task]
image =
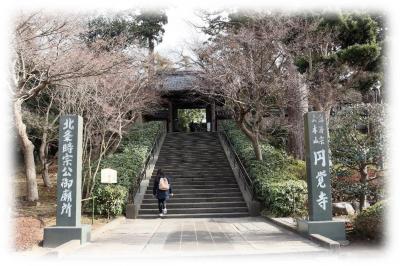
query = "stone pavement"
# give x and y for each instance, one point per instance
(196, 236)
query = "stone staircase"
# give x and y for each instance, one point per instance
(202, 180)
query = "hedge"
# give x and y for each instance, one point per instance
(110, 199)
(279, 180)
(370, 222)
(128, 160)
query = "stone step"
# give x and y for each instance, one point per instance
(193, 147)
(197, 215)
(190, 165)
(198, 190)
(177, 174)
(180, 172)
(199, 200)
(168, 156)
(198, 181)
(193, 144)
(198, 163)
(196, 143)
(170, 143)
(193, 150)
(199, 195)
(194, 168)
(202, 179)
(196, 210)
(193, 162)
(188, 182)
(192, 134)
(195, 187)
(186, 159)
(192, 205)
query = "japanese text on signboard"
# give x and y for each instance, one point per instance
(319, 160)
(67, 153)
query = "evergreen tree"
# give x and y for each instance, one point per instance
(147, 28)
(121, 31)
(150, 28)
(356, 51)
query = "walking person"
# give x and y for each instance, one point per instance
(162, 190)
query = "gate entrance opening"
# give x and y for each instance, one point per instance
(192, 120)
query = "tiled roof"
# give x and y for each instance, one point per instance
(178, 81)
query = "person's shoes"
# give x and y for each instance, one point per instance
(161, 214)
(164, 211)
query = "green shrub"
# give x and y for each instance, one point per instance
(370, 222)
(110, 199)
(278, 179)
(128, 160)
(143, 134)
(278, 137)
(298, 168)
(283, 198)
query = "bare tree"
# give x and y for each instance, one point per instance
(49, 134)
(47, 51)
(109, 104)
(41, 120)
(252, 71)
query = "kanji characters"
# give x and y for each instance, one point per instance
(320, 177)
(322, 200)
(320, 156)
(66, 208)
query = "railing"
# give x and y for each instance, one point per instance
(237, 163)
(93, 201)
(149, 160)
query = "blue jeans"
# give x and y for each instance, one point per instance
(161, 205)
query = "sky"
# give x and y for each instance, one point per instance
(180, 34)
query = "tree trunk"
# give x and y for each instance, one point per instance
(296, 110)
(254, 138)
(43, 159)
(257, 148)
(363, 181)
(139, 118)
(151, 58)
(328, 117)
(296, 141)
(27, 148)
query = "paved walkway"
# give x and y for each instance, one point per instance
(201, 236)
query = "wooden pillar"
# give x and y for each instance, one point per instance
(208, 116)
(213, 120)
(175, 120)
(170, 117)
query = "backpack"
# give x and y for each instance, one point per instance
(163, 184)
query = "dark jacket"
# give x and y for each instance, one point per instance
(161, 194)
